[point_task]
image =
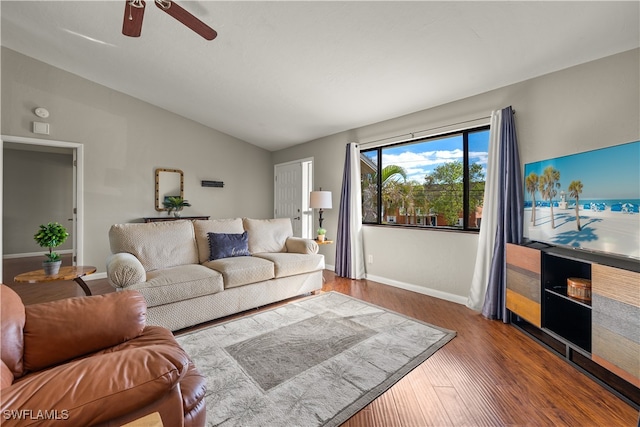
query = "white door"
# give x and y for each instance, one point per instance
(74, 212)
(291, 193)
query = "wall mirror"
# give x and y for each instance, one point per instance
(169, 182)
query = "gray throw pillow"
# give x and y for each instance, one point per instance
(226, 245)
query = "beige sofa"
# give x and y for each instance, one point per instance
(170, 264)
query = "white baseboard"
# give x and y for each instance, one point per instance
(419, 289)
(414, 288)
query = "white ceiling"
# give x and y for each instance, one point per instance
(282, 73)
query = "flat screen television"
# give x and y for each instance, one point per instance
(588, 200)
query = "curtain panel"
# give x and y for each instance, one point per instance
(505, 193)
(487, 237)
(349, 246)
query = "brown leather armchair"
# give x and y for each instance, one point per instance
(91, 361)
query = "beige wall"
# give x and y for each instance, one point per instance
(124, 140)
(578, 109)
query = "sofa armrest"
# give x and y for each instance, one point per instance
(96, 389)
(124, 269)
(62, 330)
(298, 245)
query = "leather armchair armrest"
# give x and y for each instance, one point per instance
(58, 331)
(97, 389)
(124, 269)
(299, 245)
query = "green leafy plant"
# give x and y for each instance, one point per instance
(321, 231)
(175, 203)
(51, 236)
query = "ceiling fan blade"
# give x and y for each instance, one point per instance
(133, 14)
(187, 19)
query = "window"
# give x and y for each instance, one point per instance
(430, 182)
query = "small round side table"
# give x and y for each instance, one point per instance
(75, 273)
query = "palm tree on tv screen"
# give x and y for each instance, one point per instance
(548, 183)
(575, 188)
(532, 187)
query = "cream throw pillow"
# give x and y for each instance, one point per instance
(268, 235)
(156, 244)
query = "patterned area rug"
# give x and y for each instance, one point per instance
(315, 362)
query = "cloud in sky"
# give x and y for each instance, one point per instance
(419, 164)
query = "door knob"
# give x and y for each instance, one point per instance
(297, 218)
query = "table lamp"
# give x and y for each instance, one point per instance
(320, 200)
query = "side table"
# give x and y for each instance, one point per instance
(151, 420)
(324, 242)
(74, 273)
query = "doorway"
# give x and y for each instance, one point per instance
(293, 182)
(46, 187)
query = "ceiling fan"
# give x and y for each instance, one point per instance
(134, 12)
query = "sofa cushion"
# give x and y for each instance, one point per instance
(156, 244)
(203, 227)
(179, 283)
(227, 245)
(268, 235)
(240, 271)
(288, 264)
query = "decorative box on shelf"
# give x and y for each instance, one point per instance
(579, 288)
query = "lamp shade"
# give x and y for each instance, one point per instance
(320, 200)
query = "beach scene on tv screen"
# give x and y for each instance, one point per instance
(589, 200)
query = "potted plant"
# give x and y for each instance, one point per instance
(51, 236)
(175, 203)
(321, 233)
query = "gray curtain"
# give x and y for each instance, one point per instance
(349, 247)
(510, 217)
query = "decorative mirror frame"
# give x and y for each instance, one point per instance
(159, 203)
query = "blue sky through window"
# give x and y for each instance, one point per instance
(421, 158)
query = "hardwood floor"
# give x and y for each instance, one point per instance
(491, 374)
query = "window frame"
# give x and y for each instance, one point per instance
(466, 185)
